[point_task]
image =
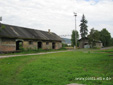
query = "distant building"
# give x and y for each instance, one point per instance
(13, 38)
(83, 43)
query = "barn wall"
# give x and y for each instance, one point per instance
(27, 45)
(7, 45)
(43, 45)
(58, 45)
(10, 44)
(47, 45)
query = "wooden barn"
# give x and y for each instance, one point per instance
(14, 38)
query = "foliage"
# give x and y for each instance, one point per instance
(64, 45)
(73, 37)
(105, 37)
(83, 27)
(57, 69)
(2, 26)
(94, 37)
(111, 42)
(21, 46)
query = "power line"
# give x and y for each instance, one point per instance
(65, 35)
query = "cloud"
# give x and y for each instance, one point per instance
(57, 15)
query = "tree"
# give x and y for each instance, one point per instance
(111, 42)
(83, 27)
(93, 37)
(73, 37)
(105, 37)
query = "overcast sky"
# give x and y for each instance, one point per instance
(57, 15)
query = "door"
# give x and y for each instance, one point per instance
(39, 45)
(19, 45)
(53, 45)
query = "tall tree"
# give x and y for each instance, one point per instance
(111, 42)
(73, 37)
(93, 37)
(105, 37)
(83, 27)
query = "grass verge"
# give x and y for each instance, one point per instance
(30, 51)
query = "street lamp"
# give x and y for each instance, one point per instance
(75, 14)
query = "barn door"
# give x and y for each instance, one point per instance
(39, 45)
(53, 45)
(19, 45)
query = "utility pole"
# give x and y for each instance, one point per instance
(0, 18)
(75, 14)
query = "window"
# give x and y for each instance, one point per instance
(47, 43)
(30, 42)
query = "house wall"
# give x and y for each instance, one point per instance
(81, 43)
(99, 45)
(7, 44)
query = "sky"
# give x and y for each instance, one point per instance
(58, 15)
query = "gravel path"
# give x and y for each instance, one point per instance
(105, 48)
(5, 56)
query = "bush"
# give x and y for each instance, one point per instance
(64, 45)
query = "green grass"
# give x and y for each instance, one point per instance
(109, 50)
(57, 69)
(30, 51)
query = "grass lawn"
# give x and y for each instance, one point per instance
(57, 69)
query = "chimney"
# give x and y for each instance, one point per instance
(49, 30)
